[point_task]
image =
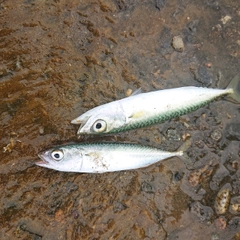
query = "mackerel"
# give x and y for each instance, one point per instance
(104, 157)
(144, 109)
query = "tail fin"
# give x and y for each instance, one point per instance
(234, 86)
(183, 154)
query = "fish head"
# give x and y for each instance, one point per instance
(102, 119)
(62, 158)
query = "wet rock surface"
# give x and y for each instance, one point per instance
(61, 58)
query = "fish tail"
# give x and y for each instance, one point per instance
(182, 150)
(234, 88)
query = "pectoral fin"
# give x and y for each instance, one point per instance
(92, 154)
(138, 114)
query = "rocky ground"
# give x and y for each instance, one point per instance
(61, 58)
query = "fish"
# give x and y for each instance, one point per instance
(144, 109)
(104, 157)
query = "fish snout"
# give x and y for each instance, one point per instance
(43, 161)
(76, 121)
(80, 120)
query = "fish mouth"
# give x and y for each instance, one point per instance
(80, 120)
(42, 162)
(76, 121)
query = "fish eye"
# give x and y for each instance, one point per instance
(57, 155)
(99, 126)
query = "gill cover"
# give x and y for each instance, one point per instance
(102, 123)
(102, 119)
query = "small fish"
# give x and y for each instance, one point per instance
(104, 157)
(144, 109)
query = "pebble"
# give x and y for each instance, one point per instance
(209, 65)
(41, 130)
(233, 131)
(226, 19)
(222, 200)
(203, 76)
(215, 236)
(199, 175)
(205, 213)
(234, 223)
(218, 27)
(216, 135)
(221, 223)
(178, 44)
(10, 146)
(146, 187)
(235, 205)
(119, 206)
(59, 216)
(173, 135)
(192, 26)
(218, 177)
(177, 176)
(13, 134)
(75, 214)
(186, 136)
(128, 92)
(235, 165)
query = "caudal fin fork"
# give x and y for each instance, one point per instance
(234, 85)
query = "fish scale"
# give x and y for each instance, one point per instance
(162, 118)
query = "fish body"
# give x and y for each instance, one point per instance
(145, 109)
(102, 157)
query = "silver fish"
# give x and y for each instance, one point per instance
(103, 157)
(145, 109)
